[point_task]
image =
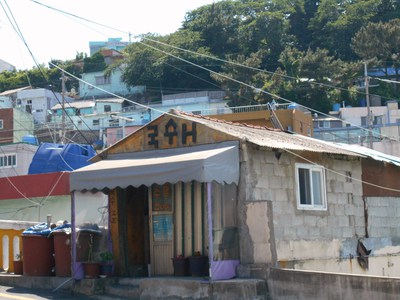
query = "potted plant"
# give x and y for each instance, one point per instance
(198, 264)
(18, 264)
(106, 267)
(91, 267)
(181, 265)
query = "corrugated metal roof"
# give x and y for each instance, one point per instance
(273, 138)
(376, 155)
(75, 104)
(112, 100)
(268, 137)
(10, 92)
(278, 139)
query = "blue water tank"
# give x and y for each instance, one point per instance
(51, 157)
(30, 139)
(362, 102)
(336, 106)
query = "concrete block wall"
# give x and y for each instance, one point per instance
(383, 216)
(309, 233)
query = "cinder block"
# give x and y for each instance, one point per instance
(281, 195)
(348, 232)
(343, 221)
(310, 221)
(302, 232)
(314, 232)
(337, 232)
(339, 210)
(349, 210)
(322, 222)
(277, 182)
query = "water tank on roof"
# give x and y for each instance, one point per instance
(30, 139)
(336, 106)
(51, 157)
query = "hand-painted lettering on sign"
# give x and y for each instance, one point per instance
(171, 131)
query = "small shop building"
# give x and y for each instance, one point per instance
(247, 197)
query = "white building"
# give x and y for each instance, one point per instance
(38, 102)
(5, 66)
(16, 158)
(350, 125)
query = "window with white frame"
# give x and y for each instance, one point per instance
(1, 124)
(311, 190)
(8, 160)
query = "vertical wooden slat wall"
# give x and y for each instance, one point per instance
(190, 219)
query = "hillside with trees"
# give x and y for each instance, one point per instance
(310, 52)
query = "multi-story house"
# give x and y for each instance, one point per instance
(5, 66)
(380, 129)
(14, 125)
(97, 84)
(111, 43)
(39, 102)
(8, 98)
(16, 158)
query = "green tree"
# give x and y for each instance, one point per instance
(380, 41)
(242, 70)
(94, 63)
(218, 25)
(309, 78)
(164, 65)
(336, 22)
(299, 23)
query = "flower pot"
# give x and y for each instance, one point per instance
(106, 269)
(198, 266)
(181, 266)
(18, 267)
(91, 269)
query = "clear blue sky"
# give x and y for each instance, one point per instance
(52, 35)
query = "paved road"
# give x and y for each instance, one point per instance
(13, 293)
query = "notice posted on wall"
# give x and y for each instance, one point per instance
(162, 228)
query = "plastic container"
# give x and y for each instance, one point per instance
(62, 253)
(37, 251)
(336, 107)
(181, 266)
(198, 266)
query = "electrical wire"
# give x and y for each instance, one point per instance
(16, 28)
(343, 175)
(225, 61)
(275, 96)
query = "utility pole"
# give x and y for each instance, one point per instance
(369, 119)
(63, 79)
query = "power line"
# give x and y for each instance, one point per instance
(19, 33)
(212, 57)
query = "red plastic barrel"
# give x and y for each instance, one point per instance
(37, 251)
(62, 253)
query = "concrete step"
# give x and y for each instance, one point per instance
(131, 281)
(108, 297)
(126, 291)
